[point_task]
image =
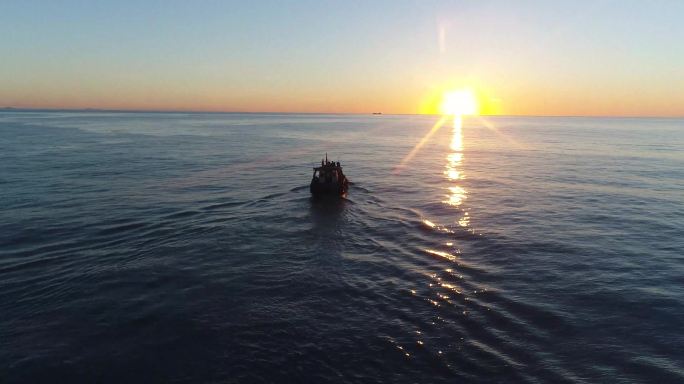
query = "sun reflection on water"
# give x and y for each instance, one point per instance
(453, 171)
(446, 289)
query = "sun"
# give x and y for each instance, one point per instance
(459, 102)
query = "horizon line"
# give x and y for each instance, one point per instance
(96, 110)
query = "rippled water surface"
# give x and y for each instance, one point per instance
(186, 248)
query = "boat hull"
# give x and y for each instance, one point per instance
(317, 188)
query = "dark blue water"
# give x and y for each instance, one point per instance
(186, 248)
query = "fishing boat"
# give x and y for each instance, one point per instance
(328, 179)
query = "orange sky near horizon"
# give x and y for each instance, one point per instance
(531, 101)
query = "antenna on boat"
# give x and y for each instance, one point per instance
(326, 157)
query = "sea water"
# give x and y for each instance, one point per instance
(174, 247)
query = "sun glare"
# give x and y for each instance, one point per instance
(453, 106)
(459, 103)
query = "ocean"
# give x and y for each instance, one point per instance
(185, 247)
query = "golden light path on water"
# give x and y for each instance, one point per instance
(445, 288)
(454, 172)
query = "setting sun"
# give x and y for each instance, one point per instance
(459, 103)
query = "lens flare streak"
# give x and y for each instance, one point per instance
(435, 128)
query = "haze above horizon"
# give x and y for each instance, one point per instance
(603, 58)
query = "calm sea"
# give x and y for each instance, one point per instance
(150, 247)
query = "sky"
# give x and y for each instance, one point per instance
(585, 58)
